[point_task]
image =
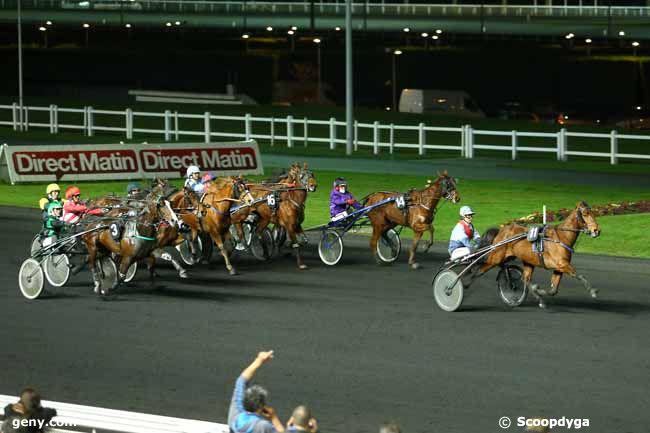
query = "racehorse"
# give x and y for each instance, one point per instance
(137, 240)
(418, 213)
(289, 210)
(215, 204)
(555, 254)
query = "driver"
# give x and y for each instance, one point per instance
(74, 209)
(464, 237)
(341, 198)
(193, 179)
(53, 225)
(53, 196)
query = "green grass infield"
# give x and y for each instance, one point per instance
(494, 202)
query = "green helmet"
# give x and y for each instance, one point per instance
(54, 205)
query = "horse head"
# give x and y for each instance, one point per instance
(241, 190)
(586, 219)
(447, 187)
(306, 178)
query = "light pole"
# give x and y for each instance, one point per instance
(86, 26)
(20, 64)
(246, 37)
(635, 45)
(349, 130)
(292, 39)
(317, 41)
(394, 81)
(43, 30)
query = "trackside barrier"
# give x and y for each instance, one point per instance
(379, 137)
(87, 417)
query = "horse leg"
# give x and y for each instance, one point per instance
(296, 246)
(568, 269)
(159, 253)
(534, 288)
(414, 246)
(429, 243)
(92, 256)
(377, 231)
(151, 263)
(592, 291)
(218, 239)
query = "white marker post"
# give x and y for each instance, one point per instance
(544, 215)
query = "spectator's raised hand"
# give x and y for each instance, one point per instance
(264, 357)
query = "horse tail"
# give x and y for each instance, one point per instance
(488, 237)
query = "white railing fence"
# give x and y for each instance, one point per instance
(294, 131)
(77, 418)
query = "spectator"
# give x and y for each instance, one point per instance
(248, 412)
(28, 408)
(302, 421)
(389, 427)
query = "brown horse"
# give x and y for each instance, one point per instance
(137, 241)
(556, 254)
(418, 214)
(289, 211)
(215, 205)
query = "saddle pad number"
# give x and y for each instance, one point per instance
(115, 230)
(270, 200)
(400, 202)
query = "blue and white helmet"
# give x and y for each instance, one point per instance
(466, 210)
(340, 181)
(191, 170)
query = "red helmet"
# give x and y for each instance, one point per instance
(72, 191)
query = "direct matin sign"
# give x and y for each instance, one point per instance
(128, 161)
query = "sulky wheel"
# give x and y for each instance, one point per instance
(37, 244)
(448, 290)
(108, 277)
(130, 273)
(57, 269)
(511, 286)
(262, 246)
(185, 251)
(330, 247)
(30, 279)
(389, 246)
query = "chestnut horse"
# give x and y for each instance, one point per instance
(215, 204)
(418, 214)
(289, 211)
(137, 241)
(558, 244)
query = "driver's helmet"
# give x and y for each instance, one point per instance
(191, 170)
(131, 187)
(71, 192)
(52, 206)
(466, 210)
(340, 181)
(51, 188)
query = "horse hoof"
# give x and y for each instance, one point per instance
(182, 274)
(415, 266)
(542, 304)
(232, 272)
(302, 267)
(593, 293)
(96, 287)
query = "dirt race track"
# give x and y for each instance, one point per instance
(358, 342)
